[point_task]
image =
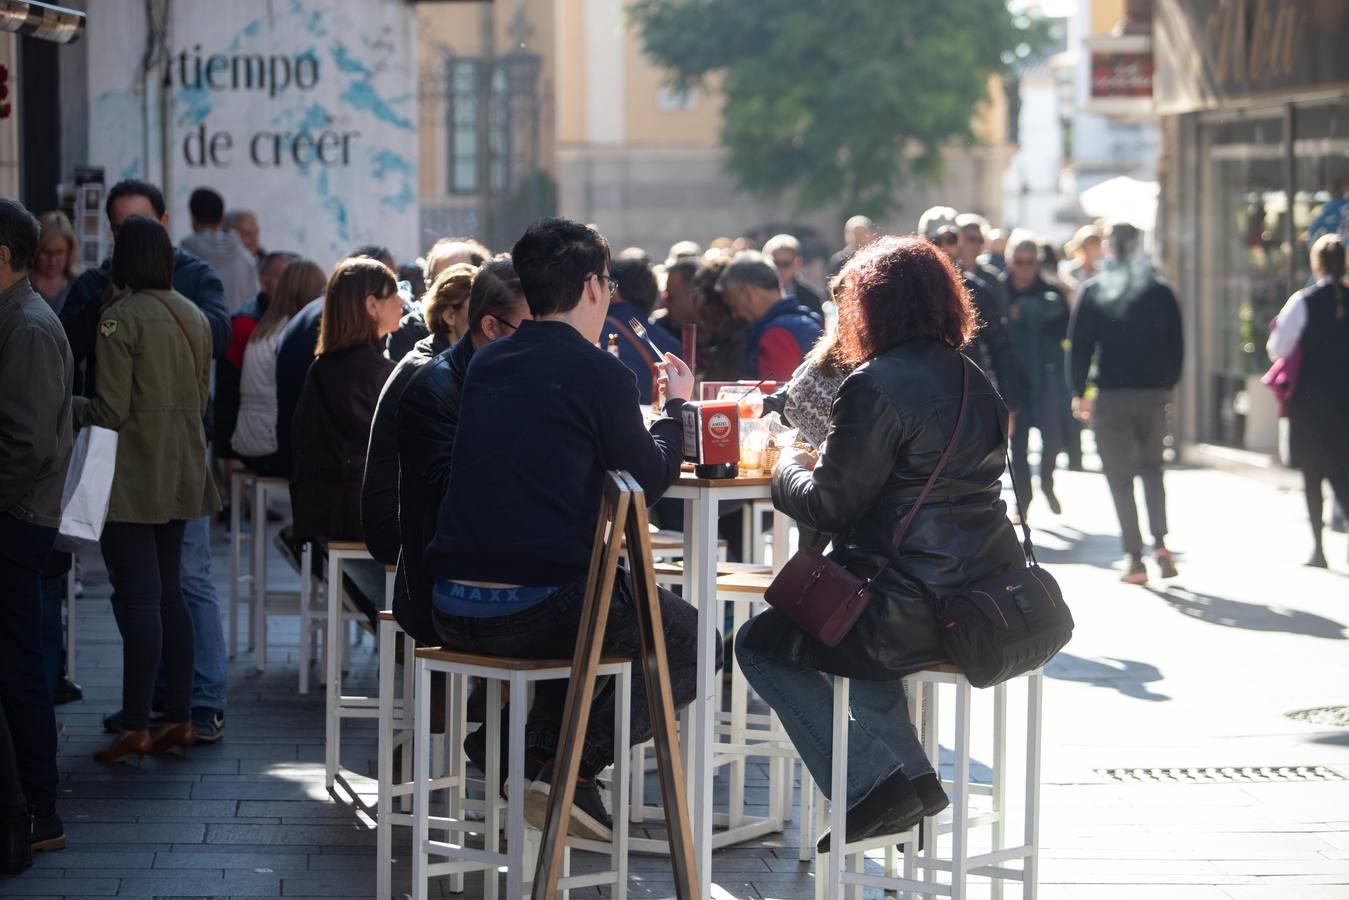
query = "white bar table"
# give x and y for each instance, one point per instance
(702, 497)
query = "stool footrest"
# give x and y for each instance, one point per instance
(505, 663)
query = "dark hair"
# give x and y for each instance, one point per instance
(19, 232)
(207, 207)
(1123, 238)
(142, 255)
(372, 251)
(706, 278)
(134, 187)
(896, 290)
(301, 281)
(554, 260)
(345, 322)
(496, 292)
(687, 269)
(636, 283)
(415, 276)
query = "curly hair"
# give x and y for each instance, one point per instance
(896, 290)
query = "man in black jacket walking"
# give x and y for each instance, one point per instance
(1128, 322)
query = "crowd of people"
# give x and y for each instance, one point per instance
(458, 413)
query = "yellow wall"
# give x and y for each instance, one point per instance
(648, 124)
(1105, 15)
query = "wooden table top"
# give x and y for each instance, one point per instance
(688, 479)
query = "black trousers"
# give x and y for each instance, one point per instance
(147, 600)
(548, 630)
(1311, 482)
(23, 685)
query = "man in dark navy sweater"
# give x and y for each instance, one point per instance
(544, 414)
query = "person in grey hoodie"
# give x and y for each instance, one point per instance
(221, 249)
(36, 376)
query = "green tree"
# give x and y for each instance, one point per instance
(838, 100)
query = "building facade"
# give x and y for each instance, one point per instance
(1254, 100)
(587, 128)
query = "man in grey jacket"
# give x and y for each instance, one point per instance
(221, 249)
(36, 375)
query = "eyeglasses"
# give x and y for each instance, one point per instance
(610, 281)
(504, 322)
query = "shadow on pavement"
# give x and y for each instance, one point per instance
(1250, 616)
(1067, 545)
(1128, 676)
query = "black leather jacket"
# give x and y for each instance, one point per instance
(891, 421)
(428, 417)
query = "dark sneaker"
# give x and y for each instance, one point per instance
(112, 722)
(589, 819)
(1134, 571)
(290, 548)
(67, 691)
(49, 833)
(209, 724)
(475, 749)
(1166, 563)
(1052, 499)
(892, 807)
(1318, 560)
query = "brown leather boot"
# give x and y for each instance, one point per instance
(175, 738)
(127, 745)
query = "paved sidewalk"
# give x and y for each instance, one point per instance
(1197, 673)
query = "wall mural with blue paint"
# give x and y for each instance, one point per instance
(303, 112)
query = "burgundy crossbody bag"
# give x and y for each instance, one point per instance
(823, 598)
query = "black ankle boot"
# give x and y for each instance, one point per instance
(891, 807)
(15, 852)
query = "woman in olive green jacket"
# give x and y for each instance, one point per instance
(151, 377)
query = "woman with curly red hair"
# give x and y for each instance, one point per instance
(903, 318)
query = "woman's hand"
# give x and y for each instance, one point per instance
(798, 456)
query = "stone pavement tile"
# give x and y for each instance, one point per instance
(1284, 891)
(1161, 890)
(287, 848)
(325, 885)
(278, 862)
(1105, 867)
(235, 884)
(265, 789)
(81, 807)
(33, 885)
(304, 834)
(1306, 865)
(101, 834)
(75, 857)
(294, 809)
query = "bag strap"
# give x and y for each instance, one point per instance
(1026, 546)
(190, 349)
(945, 454)
(631, 338)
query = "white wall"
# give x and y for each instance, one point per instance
(304, 112)
(1031, 186)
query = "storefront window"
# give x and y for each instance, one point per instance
(1246, 272)
(1321, 148)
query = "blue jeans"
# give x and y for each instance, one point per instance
(881, 737)
(209, 652)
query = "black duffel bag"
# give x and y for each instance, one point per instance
(1005, 625)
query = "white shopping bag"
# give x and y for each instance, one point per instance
(84, 502)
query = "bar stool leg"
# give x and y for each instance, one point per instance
(421, 794)
(515, 786)
(409, 666)
(931, 717)
(333, 731)
(960, 831)
(838, 795)
(999, 786)
(306, 626)
(258, 588)
(622, 737)
(236, 540)
(638, 775)
(806, 849)
(1034, 699)
(491, 807)
(456, 699)
(384, 804)
(739, 723)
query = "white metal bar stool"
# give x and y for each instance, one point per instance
(458, 859)
(920, 868)
(341, 706)
(240, 480)
(255, 491)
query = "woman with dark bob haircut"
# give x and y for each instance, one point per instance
(903, 318)
(152, 361)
